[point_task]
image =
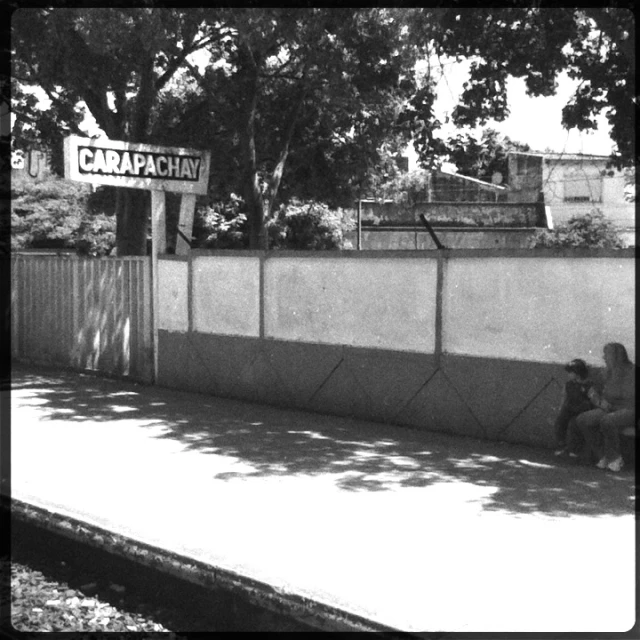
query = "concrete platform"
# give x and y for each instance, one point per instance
(363, 525)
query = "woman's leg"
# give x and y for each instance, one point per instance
(589, 425)
(611, 425)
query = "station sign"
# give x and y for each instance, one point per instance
(140, 166)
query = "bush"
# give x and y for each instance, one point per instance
(222, 225)
(296, 225)
(591, 230)
(54, 213)
(309, 225)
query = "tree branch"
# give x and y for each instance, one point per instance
(180, 59)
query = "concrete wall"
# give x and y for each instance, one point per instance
(403, 239)
(537, 309)
(371, 302)
(226, 295)
(173, 295)
(468, 342)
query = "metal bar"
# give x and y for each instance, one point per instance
(432, 233)
(185, 224)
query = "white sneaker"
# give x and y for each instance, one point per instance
(616, 465)
(602, 464)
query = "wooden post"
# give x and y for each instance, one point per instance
(158, 245)
(185, 224)
(359, 237)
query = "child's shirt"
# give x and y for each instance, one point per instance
(577, 395)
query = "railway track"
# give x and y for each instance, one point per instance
(126, 589)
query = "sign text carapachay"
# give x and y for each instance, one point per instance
(135, 163)
(142, 166)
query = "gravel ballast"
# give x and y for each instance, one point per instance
(59, 584)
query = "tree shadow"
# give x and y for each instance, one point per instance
(358, 455)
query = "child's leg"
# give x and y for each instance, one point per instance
(575, 439)
(560, 427)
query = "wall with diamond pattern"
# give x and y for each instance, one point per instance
(472, 343)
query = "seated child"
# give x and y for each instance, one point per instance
(575, 400)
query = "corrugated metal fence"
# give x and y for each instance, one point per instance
(86, 313)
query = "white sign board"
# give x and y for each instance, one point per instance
(141, 166)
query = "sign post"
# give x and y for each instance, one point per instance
(144, 166)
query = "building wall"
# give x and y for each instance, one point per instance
(32, 164)
(608, 191)
(469, 342)
(570, 176)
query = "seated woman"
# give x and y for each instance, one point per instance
(615, 410)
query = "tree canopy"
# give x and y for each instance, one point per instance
(304, 102)
(595, 46)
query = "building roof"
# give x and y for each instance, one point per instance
(553, 155)
(481, 183)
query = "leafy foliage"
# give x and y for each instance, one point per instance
(323, 84)
(112, 62)
(592, 231)
(307, 102)
(406, 188)
(295, 225)
(309, 225)
(54, 213)
(594, 45)
(481, 158)
(221, 225)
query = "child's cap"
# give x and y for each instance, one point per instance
(578, 366)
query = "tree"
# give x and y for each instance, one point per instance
(484, 157)
(294, 95)
(291, 74)
(595, 46)
(344, 68)
(113, 61)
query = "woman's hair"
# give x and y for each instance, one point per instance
(619, 355)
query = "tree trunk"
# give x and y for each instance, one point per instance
(132, 216)
(251, 185)
(134, 209)
(276, 174)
